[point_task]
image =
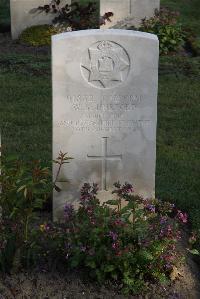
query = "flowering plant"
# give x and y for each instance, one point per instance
(24, 188)
(76, 16)
(127, 239)
(166, 26)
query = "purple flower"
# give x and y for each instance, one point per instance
(113, 235)
(127, 188)
(83, 248)
(68, 246)
(168, 266)
(123, 191)
(151, 208)
(163, 219)
(183, 217)
(68, 211)
(88, 193)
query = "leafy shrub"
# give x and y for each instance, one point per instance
(131, 243)
(128, 240)
(67, 18)
(39, 35)
(76, 15)
(24, 189)
(166, 26)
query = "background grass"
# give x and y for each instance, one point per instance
(189, 12)
(4, 15)
(26, 110)
(178, 155)
(25, 114)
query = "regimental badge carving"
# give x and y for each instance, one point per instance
(105, 64)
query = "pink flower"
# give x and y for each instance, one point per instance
(183, 217)
(114, 245)
(119, 222)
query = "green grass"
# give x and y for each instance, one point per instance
(189, 12)
(178, 155)
(25, 118)
(4, 15)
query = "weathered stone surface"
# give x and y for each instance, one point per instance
(104, 110)
(24, 15)
(134, 9)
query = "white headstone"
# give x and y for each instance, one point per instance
(134, 9)
(104, 110)
(24, 14)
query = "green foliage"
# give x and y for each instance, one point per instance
(24, 189)
(68, 17)
(39, 35)
(77, 16)
(132, 243)
(165, 25)
(189, 12)
(62, 159)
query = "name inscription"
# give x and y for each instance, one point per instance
(107, 113)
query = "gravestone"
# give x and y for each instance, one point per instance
(24, 14)
(134, 9)
(104, 111)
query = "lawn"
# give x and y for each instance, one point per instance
(4, 15)
(178, 158)
(25, 114)
(25, 105)
(189, 12)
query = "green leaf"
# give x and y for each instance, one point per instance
(126, 216)
(21, 188)
(125, 209)
(91, 264)
(193, 251)
(131, 204)
(74, 263)
(109, 268)
(163, 279)
(146, 255)
(112, 202)
(25, 192)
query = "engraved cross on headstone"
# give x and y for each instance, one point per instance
(104, 158)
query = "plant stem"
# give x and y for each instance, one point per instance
(26, 228)
(58, 172)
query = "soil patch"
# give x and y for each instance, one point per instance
(185, 284)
